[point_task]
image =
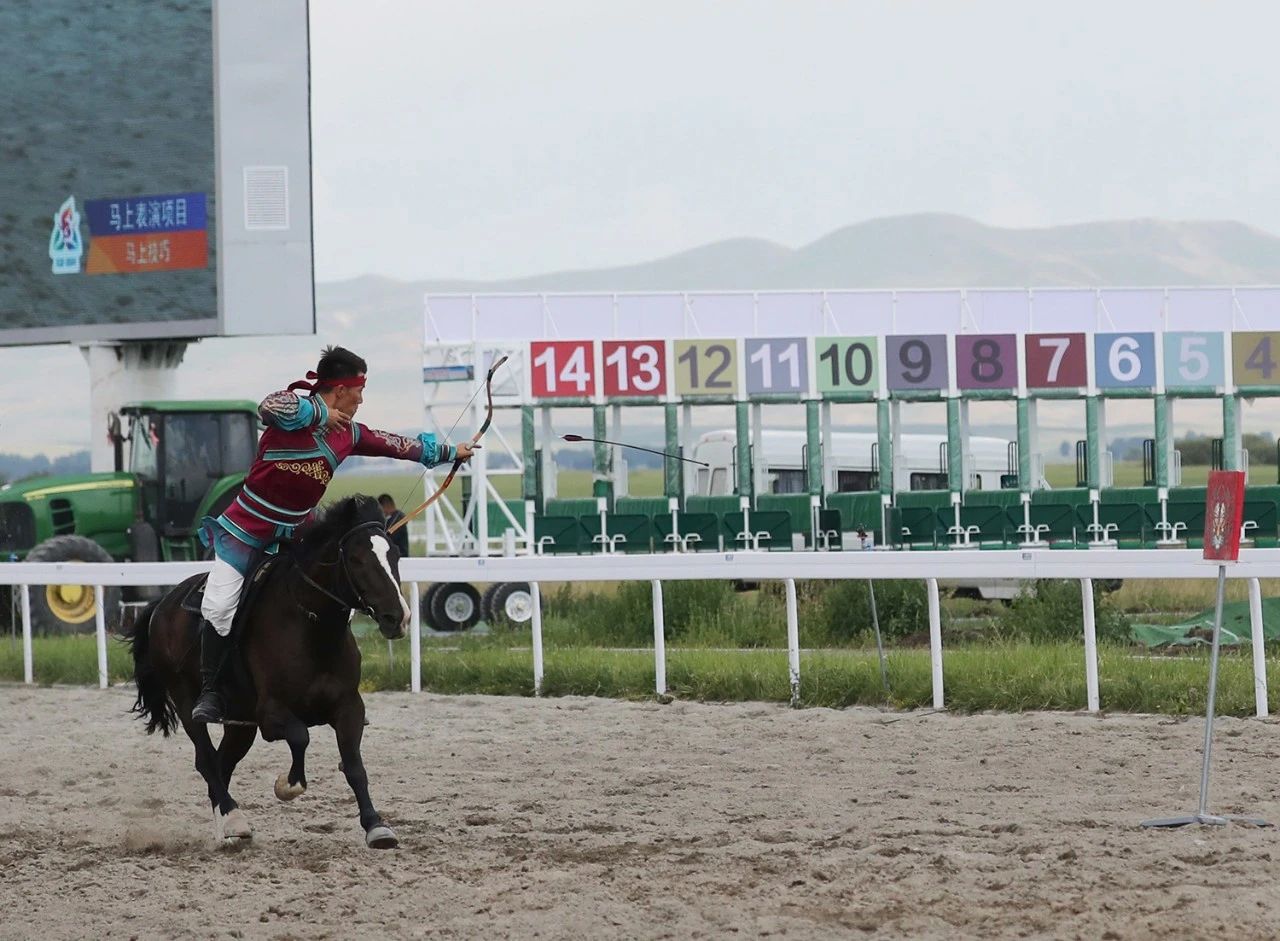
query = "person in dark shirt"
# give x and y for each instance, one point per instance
(400, 538)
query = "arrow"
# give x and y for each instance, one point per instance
(575, 439)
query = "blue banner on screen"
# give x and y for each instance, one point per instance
(171, 212)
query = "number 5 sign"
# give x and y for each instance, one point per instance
(635, 367)
(1193, 360)
(562, 369)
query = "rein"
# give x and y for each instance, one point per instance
(360, 604)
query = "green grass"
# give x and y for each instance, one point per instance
(1001, 676)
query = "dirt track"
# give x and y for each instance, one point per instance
(582, 818)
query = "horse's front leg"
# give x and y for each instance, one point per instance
(348, 726)
(277, 722)
(228, 820)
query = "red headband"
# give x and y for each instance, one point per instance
(354, 382)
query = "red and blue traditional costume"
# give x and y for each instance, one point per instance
(296, 459)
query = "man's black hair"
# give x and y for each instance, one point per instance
(386, 498)
(339, 363)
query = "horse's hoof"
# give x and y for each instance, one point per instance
(286, 791)
(232, 826)
(381, 837)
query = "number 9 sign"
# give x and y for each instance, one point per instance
(635, 368)
(1124, 360)
(916, 362)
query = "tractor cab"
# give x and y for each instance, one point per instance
(187, 460)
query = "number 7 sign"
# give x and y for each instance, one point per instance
(1056, 361)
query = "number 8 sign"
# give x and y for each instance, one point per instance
(635, 367)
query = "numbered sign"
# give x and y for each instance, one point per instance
(916, 362)
(847, 364)
(706, 367)
(562, 369)
(987, 362)
(1193, 360)
(1255, 358)
(777, 364)
(635, 367)
(1057, 361)
(1124, 360)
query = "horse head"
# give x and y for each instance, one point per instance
(368, 565)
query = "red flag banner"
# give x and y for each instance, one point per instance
(1223, 515)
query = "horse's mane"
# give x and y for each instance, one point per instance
(332, 522)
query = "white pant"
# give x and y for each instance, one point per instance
(221, 595)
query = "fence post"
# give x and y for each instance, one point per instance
(100, 624)
(415, 638)
(659, 641)
(27, 674)
(536, 628)
(935, 641)
(793, 642)
(1090, 644)
(1259, 649)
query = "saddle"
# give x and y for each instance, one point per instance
(238, 692)
(263, 566)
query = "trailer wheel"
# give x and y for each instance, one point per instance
(455, 606)
(424, 605)
(508, 604)
(69, 609)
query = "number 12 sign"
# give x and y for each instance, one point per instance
(635, 367)
(562, 369)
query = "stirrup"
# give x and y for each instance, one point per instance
(209, 707)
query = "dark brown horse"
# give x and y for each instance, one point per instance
(296, 663)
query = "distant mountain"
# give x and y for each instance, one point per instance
(928, 250)
(20, 467)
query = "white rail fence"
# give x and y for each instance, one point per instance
(930, 567)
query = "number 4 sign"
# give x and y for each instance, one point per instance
(562, 369)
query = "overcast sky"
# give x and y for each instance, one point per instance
(500, 139)
(488, 140)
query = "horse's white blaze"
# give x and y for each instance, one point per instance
(380, 548)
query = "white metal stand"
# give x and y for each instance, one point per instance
(1202, 815)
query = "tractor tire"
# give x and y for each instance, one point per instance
(455, 606)
(424, 605)
(69, 609)
(508, 605)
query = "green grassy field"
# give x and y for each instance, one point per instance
(1000, 676)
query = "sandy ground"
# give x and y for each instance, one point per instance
(577, 818)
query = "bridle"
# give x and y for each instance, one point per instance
(359, 604)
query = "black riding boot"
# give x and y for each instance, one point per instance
(213, 653)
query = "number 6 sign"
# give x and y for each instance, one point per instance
(1124, 360)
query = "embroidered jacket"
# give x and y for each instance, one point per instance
(296, 460)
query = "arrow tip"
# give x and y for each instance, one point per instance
(573, 438)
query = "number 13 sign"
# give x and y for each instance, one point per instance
(635, 367)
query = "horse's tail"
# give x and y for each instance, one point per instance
(153, 702)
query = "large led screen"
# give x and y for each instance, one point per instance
(106, 137)
(121, 125)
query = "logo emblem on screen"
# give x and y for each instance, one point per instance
(65, 244)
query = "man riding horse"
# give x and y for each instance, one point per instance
(306, 438)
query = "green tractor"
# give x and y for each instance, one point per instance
(186, 461)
